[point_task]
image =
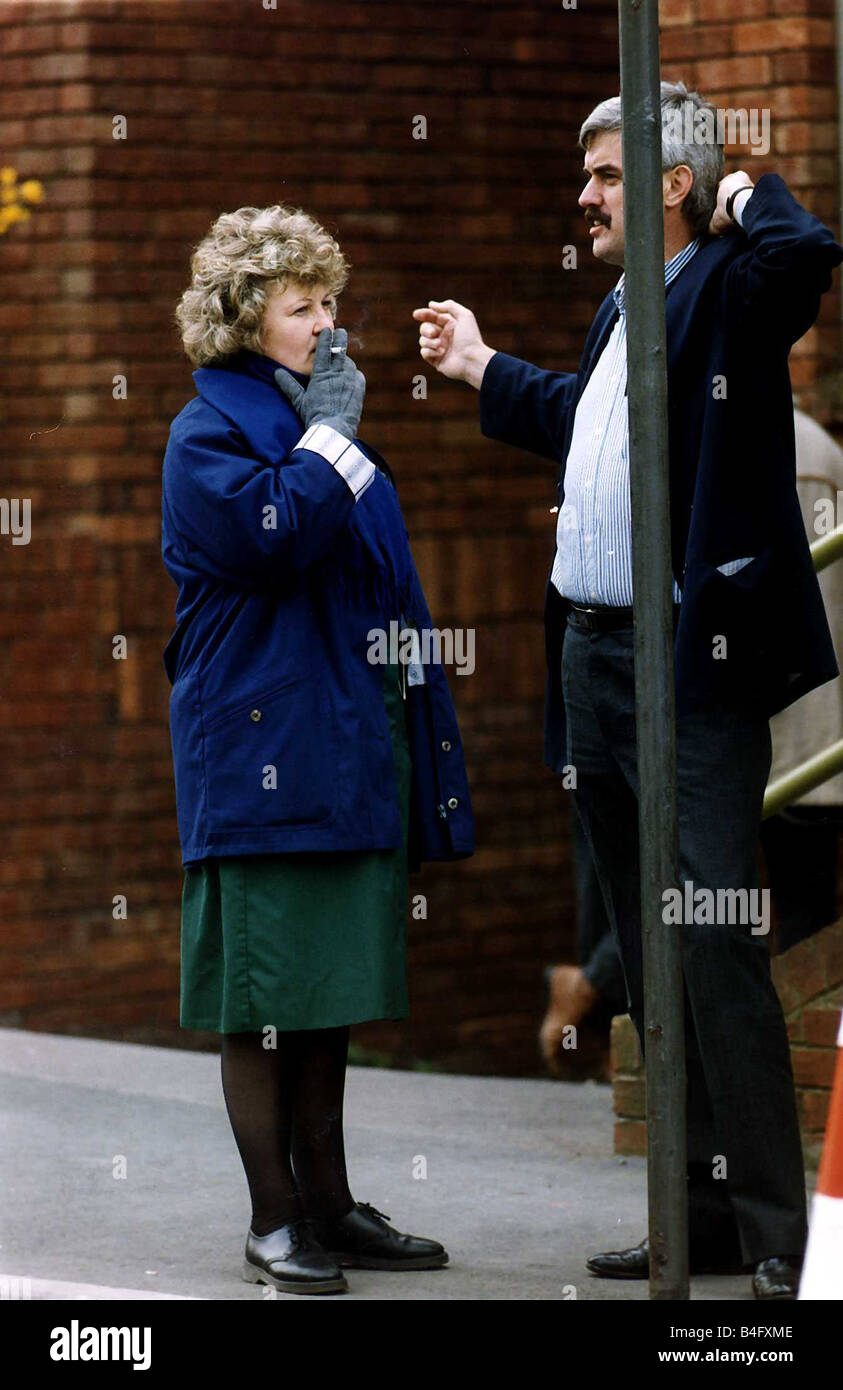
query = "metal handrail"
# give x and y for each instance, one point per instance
(812, 773)
(827, 763)
(827, 549)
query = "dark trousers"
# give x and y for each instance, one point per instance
(597, 953)
(741, 1104)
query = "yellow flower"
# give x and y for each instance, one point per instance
(11, 208)
(13, 213)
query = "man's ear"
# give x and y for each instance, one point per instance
(677, 184)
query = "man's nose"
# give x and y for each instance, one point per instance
(588, 197)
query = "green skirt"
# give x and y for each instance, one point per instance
(296, 941)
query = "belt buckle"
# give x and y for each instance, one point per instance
(585, 615)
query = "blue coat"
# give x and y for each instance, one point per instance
(734, 311)
(268, 661)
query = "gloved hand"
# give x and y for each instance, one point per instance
(334, 394)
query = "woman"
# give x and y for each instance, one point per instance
(309, 776)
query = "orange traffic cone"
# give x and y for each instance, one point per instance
(822, 1272)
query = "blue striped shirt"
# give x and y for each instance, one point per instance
(593, 561)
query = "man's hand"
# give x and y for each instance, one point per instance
(721, 222)
(450, 340)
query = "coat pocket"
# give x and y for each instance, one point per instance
(272, 760)
(735, 619)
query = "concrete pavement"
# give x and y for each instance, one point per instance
(121, 1179)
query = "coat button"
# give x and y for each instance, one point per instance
(452, 803)
(446, 747)
(255, 716)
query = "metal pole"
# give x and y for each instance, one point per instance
(654, 689)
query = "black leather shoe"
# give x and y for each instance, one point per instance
(362, 1240)
(776, 1277)
(634, 1263)
(292, 1260)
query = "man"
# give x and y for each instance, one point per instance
(745, 268)
(799, 844)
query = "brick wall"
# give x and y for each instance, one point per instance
(809, 980)
(230, 104)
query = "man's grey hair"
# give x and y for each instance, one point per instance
(704, 155)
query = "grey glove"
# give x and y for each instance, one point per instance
(334, 394)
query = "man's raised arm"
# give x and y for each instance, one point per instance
(519, 404)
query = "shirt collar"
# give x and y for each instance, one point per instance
(671, 270)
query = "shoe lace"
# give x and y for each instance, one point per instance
(302, 1232)
(373, 1211)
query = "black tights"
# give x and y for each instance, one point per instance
(285, 1106)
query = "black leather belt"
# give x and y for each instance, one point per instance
(604, 618)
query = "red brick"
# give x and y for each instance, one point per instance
(800, 137)
(813, 1066)
(790, 102)
(796, 1026)
(829, 949)
(812, 8)
(770, 35)
(629, 1097)
(724, 10)
(821, 1026)
(803, 970)
(680, 45)
(630, 1137)
(673, 12)
(808, 65)
(728, 74)
(625, 1047)
(814, 1107)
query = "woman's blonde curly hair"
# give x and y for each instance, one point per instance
(244, 257)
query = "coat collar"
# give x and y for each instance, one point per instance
(243, 389)
(680, 295)
(258, 365)
(671, 270)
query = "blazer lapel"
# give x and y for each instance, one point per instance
(604, 321)
(602, 325)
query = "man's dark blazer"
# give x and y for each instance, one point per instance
(732, 315)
